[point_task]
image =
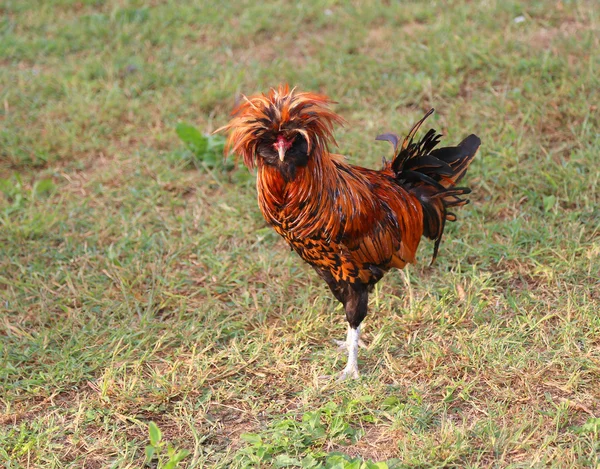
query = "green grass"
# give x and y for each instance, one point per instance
(139, 282)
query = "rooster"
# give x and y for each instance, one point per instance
(351, 224)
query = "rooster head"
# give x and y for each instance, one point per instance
(283, 128)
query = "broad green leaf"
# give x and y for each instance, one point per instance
(251, 438)
(352, 465)
(283, 460)
(309, 462)
(549, 202)
(592, 425)
(192, 137)
(374, 465)
(181, 455)
(155, 434)
(337, 461)
(149, 452)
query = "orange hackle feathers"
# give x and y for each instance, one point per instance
(283, 111)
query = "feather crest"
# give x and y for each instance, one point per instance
(280, 110)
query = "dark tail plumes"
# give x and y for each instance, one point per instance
(432, 174)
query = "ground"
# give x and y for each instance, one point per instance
(140, 284)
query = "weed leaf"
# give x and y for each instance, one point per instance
(155, 434)
(192, 137)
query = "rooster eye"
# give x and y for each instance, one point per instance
(299, 146)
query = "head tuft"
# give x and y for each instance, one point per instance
(280, 112)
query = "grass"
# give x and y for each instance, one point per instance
(139, 283)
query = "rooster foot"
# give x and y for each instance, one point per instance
(348, 372)
(345, 374)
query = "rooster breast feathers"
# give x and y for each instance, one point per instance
(352, 222)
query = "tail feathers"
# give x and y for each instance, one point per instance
(458, 158)
(432, 174)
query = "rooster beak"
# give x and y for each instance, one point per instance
(281, 151)
(282, 146)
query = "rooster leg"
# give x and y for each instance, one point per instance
(356, 298)
(351, 370)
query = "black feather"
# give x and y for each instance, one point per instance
(431, 174)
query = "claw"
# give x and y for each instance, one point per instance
(342, 345)
(345, 374)
(351, 372)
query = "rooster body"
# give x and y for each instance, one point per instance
(351, 224)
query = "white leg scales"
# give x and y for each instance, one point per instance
(352, 343)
